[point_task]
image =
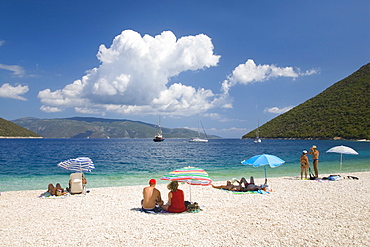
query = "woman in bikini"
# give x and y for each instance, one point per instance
(305, 164)
(55, 191)
(229, 186)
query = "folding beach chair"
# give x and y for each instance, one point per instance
(75, 184)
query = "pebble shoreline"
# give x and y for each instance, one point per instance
(296, 213)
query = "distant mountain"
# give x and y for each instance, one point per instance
(9, 129)
(89, 127)
(342, 111)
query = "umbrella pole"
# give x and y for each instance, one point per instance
(340, 167)
(190, 192)
(265, 172)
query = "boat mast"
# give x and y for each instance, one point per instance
(203, 129)
(159, 125)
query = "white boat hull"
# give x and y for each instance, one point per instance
(258, 140)
(196, 139)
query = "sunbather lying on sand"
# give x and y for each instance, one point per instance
(57, 190)
(247, 186)
(229, 186)
(252, 186)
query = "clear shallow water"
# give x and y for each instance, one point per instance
(30, 164)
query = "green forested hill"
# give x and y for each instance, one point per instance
(341, 111)
(9, 129)
(87, 127)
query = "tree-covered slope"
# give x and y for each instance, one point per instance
(342, 110)
(80, 127)
(9, 129)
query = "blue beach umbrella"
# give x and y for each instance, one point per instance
(81, 164)
(263, 160)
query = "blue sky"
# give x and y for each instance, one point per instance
(234, 63)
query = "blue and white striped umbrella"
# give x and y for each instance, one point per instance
(81, 164)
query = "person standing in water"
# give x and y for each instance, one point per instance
(315, 159)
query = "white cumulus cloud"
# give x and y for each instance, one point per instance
(16, 69)
(249, 72)
(278, 110)
(133, 77)
(8, 91)
(50, 109)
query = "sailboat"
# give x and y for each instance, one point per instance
(198, 138)
(159, 137)
(258, 139)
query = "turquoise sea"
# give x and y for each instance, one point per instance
(30, 164)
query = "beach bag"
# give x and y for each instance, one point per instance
(334, 177)
(312, 177)
(187, 203)
(192, 207)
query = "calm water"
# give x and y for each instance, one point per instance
(31, 164)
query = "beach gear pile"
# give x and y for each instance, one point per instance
(338, 177)
(193, 207)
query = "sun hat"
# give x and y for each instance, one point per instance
(314, 146)
(152, 181)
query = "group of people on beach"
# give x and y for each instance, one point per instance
(305, 164)
(153, 203)
(57, 190)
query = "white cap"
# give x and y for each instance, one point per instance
(304, 151)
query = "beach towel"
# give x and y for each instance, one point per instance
(201, 208)
(333, 178)
(248, 192)
(47, 195)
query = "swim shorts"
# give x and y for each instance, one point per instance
(152, 210)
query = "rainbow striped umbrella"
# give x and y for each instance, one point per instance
(189, 175)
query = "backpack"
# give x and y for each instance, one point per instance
(312, 177)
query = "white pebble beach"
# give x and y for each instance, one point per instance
(296, 213)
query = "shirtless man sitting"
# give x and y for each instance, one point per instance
(152, 198)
